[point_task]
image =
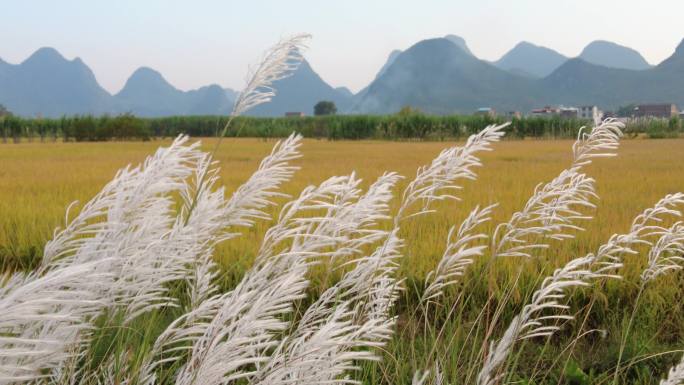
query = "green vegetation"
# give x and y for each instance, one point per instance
(408, 124)
(660, 128)
(325, 107)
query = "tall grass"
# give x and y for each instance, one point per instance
(128, 291)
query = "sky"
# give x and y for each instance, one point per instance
(196, 43)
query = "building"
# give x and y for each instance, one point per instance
(665, 110)
(547, 111)
(296, 114)
(486, 111)
(590, 113)
(568, 112)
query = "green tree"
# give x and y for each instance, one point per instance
(325, 107)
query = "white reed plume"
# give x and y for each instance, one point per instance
(554, 208)
(126, 228)
(366, 282)
(119, 205)
(288, 249)
(578, 272)
(371, 208)
(551, 212)
(43, 318)
(276, 63)
(244, 327)
(601, 142)
(648, 222)
(113, 232)
(437, 181)
(676, 375)
(369, 287)
(211, 219)
(248, 202)
(324, 355)
(177, 338)
(371, 284)
(128, 232)
(146, 246)
(667, 254)
(538, 318)
(350, 318)
(458, 254)
(645, 227)
(202, 223)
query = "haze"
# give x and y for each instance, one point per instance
(198, 43)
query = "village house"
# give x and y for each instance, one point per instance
(486, 111)
(568, 112)
(663, 110)
(590, 113)
(547, 111)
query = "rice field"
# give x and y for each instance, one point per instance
(39, 180)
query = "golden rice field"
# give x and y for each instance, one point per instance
(39, 180)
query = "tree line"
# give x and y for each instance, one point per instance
(407, 125)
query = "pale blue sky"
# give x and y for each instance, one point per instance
(195, 43)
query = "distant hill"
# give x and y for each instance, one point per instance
(675, 63)
(390, 59)
(580, 82)
(344, 91)
(460, 43)
(48, 84)
(300, 92)
(613, 55)
(147, 93)
(437, 76)
(362, 93)
(527, 59)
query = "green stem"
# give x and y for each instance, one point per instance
(626, 333)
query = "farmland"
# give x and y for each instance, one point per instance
(38, 180)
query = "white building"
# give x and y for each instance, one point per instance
(568, 112)
(590, 113)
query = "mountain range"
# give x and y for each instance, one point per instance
(47, 84)
(438, 76)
